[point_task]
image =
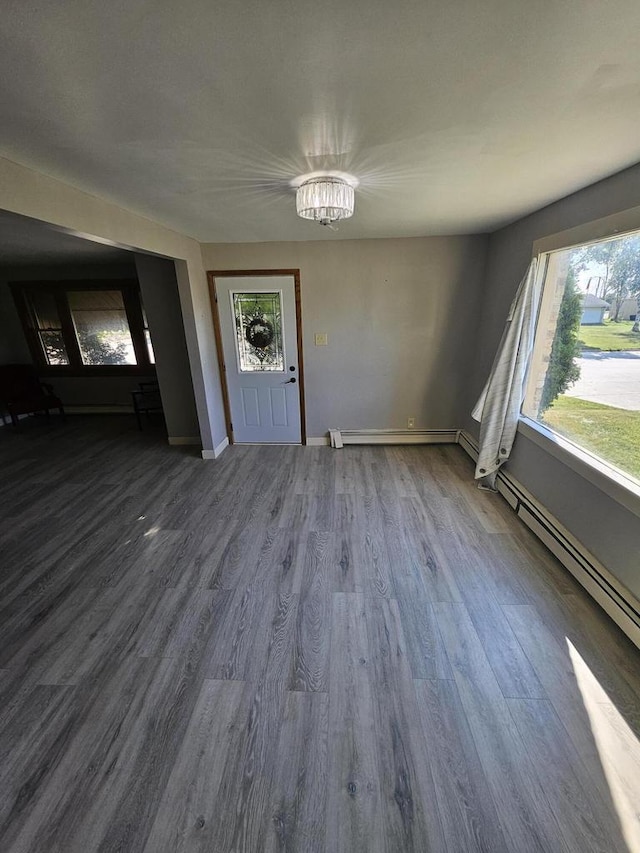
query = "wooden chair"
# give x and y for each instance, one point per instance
(23, 393)
(146, 399)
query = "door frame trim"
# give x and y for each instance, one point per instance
(211, 278)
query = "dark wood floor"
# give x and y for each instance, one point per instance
(295, 649)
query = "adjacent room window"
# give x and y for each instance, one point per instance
(48, 327)
(584, 382)
(85, 327)
(101, 326)
(147, 337)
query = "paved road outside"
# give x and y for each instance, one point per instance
(611, 378)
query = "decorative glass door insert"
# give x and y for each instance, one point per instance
(258, 320)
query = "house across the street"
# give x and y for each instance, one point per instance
(593, 310)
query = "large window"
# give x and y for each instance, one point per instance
(585, 379)
(85, 327)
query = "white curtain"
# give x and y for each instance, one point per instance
(499, 405)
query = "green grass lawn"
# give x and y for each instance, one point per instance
(610, 337)
(613, 434)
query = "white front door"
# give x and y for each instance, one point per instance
(260, 348)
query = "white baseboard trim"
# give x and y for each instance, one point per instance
(217, 450)
(99, 410)
(184, 439)
(399, 436)
(317, 441)
(614, 598)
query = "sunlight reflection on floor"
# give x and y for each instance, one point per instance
(618, 749)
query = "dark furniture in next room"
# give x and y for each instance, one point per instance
(146, 399)
(23, 393)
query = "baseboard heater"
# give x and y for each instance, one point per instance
(615, 599)
(338, 437)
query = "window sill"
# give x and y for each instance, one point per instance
(612, 482)
(97, 370)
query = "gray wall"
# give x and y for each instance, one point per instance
(159, 288)
(606, 528)
(401, 320)
(13, 344)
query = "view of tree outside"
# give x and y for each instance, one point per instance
(53, 343)
(98, 348)
(101, 327)
(106, 348)
(617, 266)
(563, 370)
(591, 388)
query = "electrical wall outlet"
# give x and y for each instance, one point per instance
(411, 423)
(321, 339)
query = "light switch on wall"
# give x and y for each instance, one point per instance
(321, 339)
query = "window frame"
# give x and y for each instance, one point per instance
(130, 290)
(602, 474)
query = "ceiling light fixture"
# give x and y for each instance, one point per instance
(325, 199)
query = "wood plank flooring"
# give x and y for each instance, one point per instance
(295, 649)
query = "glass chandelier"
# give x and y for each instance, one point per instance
(325, 199)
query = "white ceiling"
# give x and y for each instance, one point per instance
(27, 242)
(455, 115)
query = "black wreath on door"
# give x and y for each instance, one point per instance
(259, 333)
